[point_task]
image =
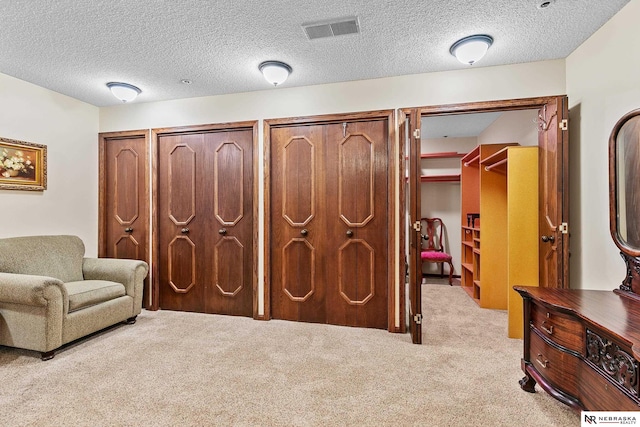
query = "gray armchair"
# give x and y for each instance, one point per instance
(51, 295)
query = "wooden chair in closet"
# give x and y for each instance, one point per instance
(432, 249)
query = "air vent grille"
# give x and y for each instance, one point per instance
(332, 28)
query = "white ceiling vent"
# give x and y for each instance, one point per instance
(333, 28)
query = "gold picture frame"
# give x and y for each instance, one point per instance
(23, 165)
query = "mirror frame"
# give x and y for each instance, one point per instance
(613, 185)
(631, 255)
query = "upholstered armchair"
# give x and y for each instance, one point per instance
(50, 294)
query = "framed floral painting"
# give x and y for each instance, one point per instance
(23, 165)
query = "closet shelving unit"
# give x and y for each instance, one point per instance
(441, 178)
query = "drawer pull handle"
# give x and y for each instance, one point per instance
(548, 330)
(542, 361)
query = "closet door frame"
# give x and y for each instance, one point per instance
(389, 115)
(155, 254)
(490, 106)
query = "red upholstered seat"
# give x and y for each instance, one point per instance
(432, 249)
(435, 256)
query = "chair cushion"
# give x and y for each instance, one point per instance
(435, 256)
(85, 293)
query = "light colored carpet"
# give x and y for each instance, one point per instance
(186, 369)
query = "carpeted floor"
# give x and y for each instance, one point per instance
(187, 369)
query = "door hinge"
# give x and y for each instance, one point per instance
(418, 319)
(564, 228)
(417, 226)
(564, 124)
(416, 134)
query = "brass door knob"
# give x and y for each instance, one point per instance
(184, 230)
(304, 231)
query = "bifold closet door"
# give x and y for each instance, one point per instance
(124, 197)
(328, 216)
(205, 204)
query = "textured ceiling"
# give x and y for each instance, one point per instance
(75, 46)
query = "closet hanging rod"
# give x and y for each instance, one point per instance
(496, 164)
(472, 160)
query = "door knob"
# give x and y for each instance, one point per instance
(304, 231)
(128, 230)
(222, 231)
(548, 239)
(349, 233)
(184, 230)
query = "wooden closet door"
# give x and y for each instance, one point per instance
(206, 222)
(297, 216)
(329, 225)
(357, 159)
(124, 197)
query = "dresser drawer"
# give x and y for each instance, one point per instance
(558, 367)
(559, 328)
(597, 393)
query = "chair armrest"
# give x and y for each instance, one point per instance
(27, 289)
(131, 273)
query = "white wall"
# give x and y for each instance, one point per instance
(467, 85)
(603, 83)
(69, 129)
(512, 126)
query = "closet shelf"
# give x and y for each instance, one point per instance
(443, 155)
(440, 178)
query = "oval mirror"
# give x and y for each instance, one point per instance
(624, 183)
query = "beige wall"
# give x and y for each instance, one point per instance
(69, 130)
(512, 126)
(603, 83)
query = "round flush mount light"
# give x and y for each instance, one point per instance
(124, 91)
(275, 72)
(470, 50)
(545, 4)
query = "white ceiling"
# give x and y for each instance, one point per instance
(76, 46)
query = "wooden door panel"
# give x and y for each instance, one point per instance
(124, 196)
(298, 234)
(298, 181)
(553, 245)
(181, 183)
(358, 246)
(229, 183)
(356, 179)
(229, 267)
(127, 186)
(230, 289)
(127, 247)
(182, 244)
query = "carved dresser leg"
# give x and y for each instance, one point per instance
(528, 384)
(131, 320)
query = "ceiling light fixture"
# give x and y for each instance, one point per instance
(275, 72)
(470, 50)
(124, 91)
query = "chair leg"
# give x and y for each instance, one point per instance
(131, 320)
(47, 355)
(450, 273)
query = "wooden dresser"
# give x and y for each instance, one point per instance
(583, 347)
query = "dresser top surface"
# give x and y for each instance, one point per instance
(610, 311)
